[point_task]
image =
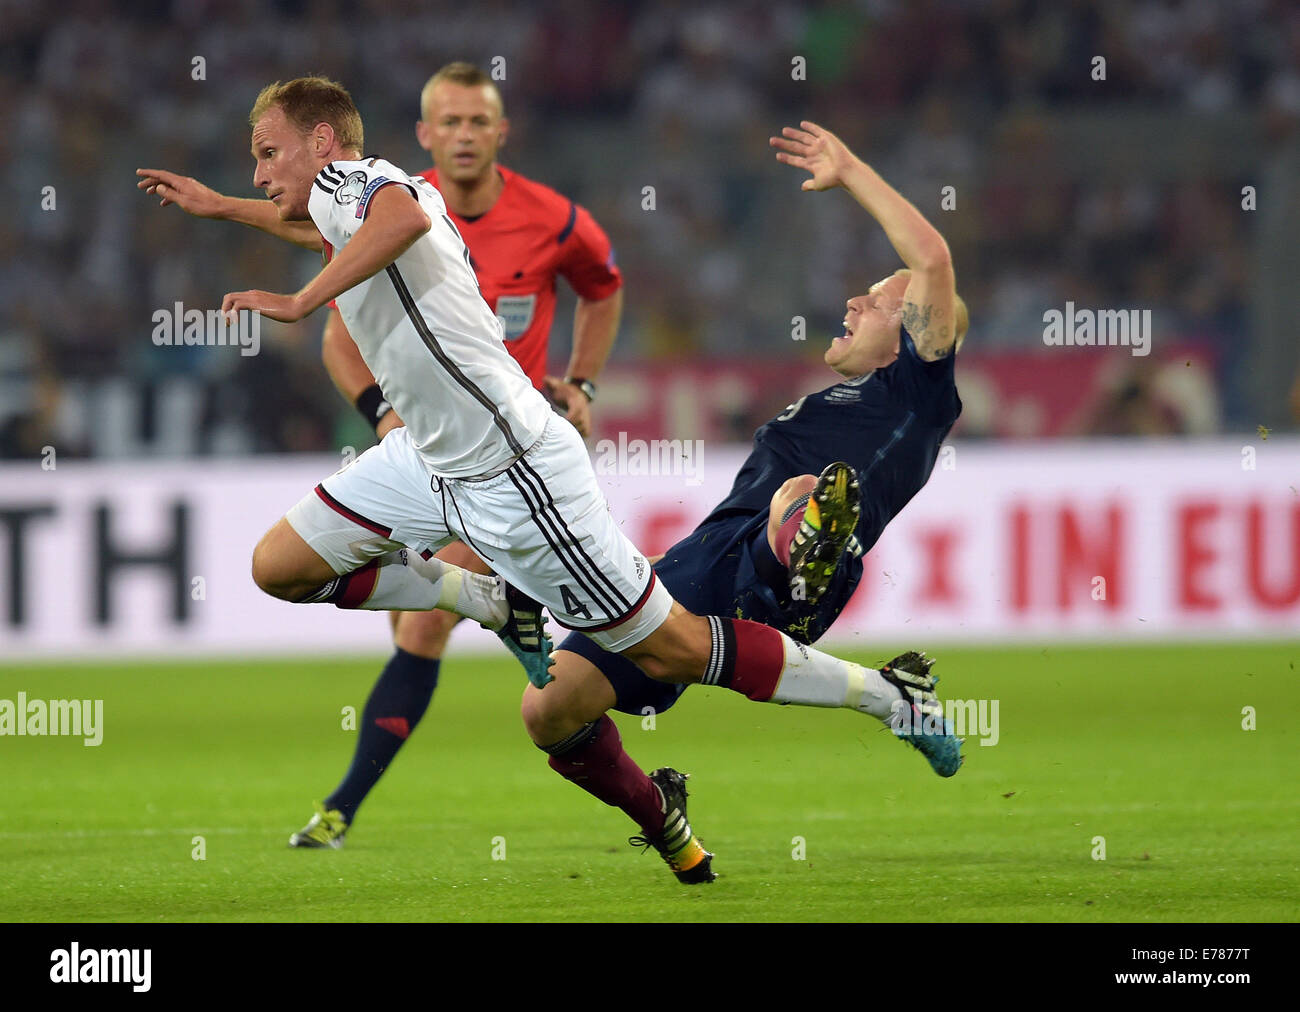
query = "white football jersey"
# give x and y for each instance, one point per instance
(434, 345)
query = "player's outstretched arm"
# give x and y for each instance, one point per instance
(929, 304)
(194, 198)
(394, 221)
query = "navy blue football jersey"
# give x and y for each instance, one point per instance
(889, 425)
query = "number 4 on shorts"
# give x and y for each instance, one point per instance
(571, 603)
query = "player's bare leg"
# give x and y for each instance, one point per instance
(288, 568)
(579, 695)
(359, 521)
(372, 572)
(425, 633)
(569, 721)
(790, 497)
(396, 704)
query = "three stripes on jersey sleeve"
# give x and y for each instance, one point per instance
(328, 179)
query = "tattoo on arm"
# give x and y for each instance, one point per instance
(917, 320)
(930, 341)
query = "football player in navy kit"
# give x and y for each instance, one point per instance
(823, 480)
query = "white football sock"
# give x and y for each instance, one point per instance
(812, 678)
(473, 595)
(406, 582)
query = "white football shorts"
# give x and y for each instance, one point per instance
(542, 523)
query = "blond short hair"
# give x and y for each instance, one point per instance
(465, 74)
(307, 101)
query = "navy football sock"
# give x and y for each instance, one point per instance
(396, 704)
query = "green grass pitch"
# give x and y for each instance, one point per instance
(1143, 746)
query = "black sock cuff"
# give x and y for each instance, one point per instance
(722, 655)
(583, 736)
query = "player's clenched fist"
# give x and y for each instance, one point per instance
(185, 192)
(285, 308)
(816, 149)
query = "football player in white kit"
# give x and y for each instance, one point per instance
(482, 457)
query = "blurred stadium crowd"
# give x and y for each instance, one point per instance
(1122, 193)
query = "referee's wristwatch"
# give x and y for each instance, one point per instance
(587, 387)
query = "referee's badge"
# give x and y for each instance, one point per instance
(516, 314)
